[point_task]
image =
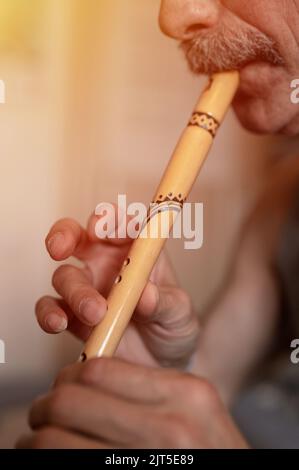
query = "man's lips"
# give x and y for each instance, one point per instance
(255, 76)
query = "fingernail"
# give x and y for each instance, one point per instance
(56, 242)
(91, 311)
(56, 323)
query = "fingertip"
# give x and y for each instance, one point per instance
(54, 323)
(56, 245)
(64, 238)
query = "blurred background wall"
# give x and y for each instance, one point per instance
(96, 97)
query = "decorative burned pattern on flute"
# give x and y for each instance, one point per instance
(169, 203)
(204, 121)
(170, 198)
(164, 204)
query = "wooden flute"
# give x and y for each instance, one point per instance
(178, 179)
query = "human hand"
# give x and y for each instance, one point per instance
(164, 329)
(108, 403)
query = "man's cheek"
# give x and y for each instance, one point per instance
(265, 15)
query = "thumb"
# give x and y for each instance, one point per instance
(168, 306)
(168, 324)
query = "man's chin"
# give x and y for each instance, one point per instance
(252, 119)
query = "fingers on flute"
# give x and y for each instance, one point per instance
(74, 286)
(65, 238)
(50, 315)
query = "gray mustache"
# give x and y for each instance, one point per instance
(223, 49)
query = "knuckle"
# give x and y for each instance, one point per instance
(60, 274)
(202, 393)
(172, 384)
(176, 382)
(199, 392)
(94, 370)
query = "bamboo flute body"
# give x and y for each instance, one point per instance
(176, 183)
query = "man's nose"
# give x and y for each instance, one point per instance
(181, 19)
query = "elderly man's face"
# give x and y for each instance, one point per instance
(258, 37)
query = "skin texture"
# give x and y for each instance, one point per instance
(263, 102)
(121, 405)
